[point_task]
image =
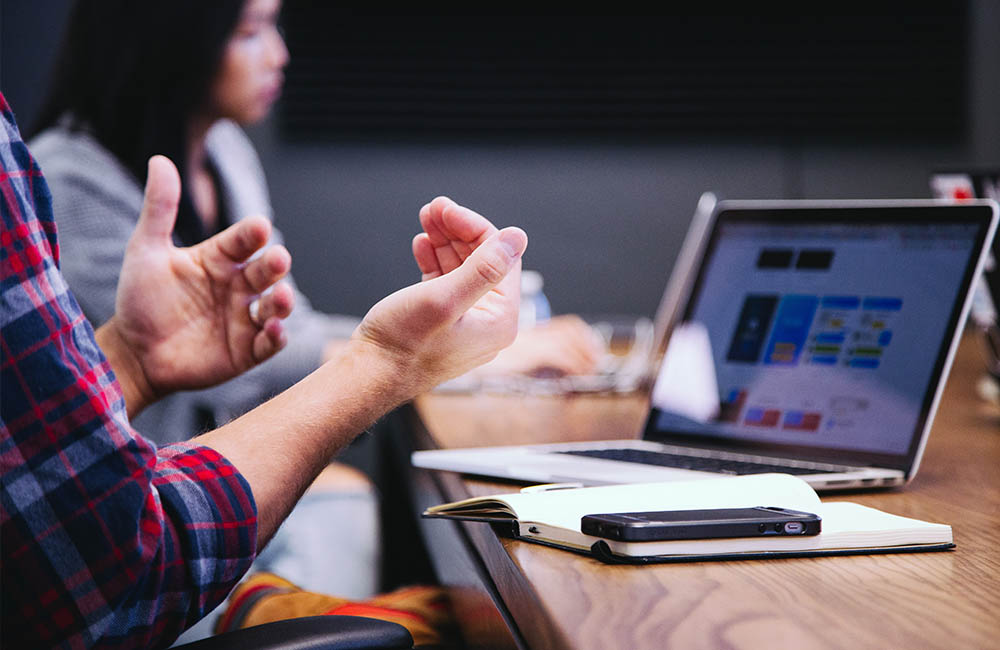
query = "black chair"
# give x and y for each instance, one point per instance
(311, 633)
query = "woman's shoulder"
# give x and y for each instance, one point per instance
(239, 168)
(229, 146)
(226, 134)
(72, 160)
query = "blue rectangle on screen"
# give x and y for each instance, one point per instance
(831, 337)
(824, 361)
(884, 337)
(884, 304)
(841, 302)
(791, 327)
(864, 363)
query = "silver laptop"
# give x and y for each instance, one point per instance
(823, 333)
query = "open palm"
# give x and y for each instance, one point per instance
(184, 312)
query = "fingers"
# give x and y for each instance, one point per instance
(579, 360)
(565, 356)
(453, 231)
(267, 269)
(242, 239)
(487, 268)
(423, 253)
(269, 340)
(277, 303)
(457, 222)
(448, 258)
(578, 337)
(270, 310)
(159, 204)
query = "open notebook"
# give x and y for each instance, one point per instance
(552, 517)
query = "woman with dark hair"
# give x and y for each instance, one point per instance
(176, 78)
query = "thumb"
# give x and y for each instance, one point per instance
(487, 268)
(159, 205)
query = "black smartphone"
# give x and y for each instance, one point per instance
(700, 524)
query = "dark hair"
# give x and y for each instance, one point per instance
(135, 73)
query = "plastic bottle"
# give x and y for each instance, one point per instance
(535, 306)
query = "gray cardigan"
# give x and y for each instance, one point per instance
(96, 203)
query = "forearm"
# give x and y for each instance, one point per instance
(282, 445)
(136, 389)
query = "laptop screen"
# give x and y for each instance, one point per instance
(828, 327)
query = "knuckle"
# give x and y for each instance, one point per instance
(491, 268)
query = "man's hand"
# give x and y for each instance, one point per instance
(464, 311)
(183, 315)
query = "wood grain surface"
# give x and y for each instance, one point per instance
(928, 600)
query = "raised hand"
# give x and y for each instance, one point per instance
(464, 311)
(566, 345)
(183, 316)
(451, 233)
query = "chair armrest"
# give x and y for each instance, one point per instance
(311, 633)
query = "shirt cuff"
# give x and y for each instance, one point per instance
(214, 514)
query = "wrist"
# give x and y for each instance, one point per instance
(391, 373)
(137, 390)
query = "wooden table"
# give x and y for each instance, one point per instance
(510, 593)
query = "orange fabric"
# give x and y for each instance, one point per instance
(360, 609)
(264, 598)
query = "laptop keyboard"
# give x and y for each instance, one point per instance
(718, 465)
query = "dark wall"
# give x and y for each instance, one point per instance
(30, 31)
(605, 216)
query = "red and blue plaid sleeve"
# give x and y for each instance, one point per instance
(104, 540)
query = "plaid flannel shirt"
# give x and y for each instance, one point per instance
(104, 540)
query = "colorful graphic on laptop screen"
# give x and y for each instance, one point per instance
(826, 334)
